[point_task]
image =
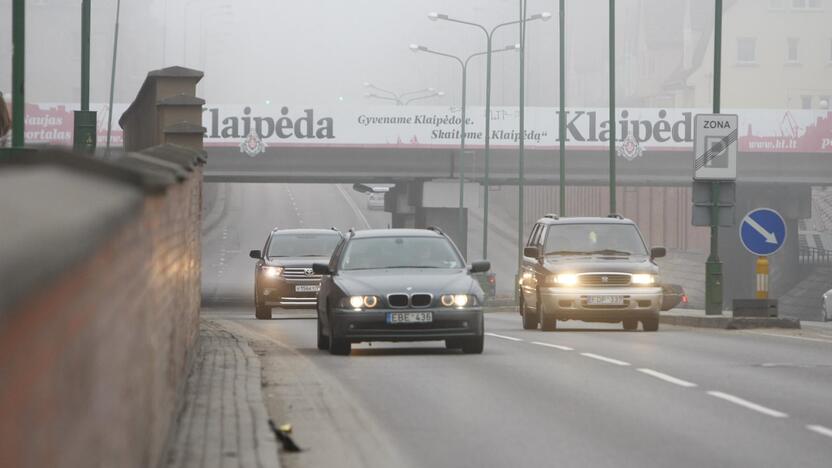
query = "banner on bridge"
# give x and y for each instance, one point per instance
(255, 129)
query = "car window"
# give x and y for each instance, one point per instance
(400, 252)
(302, 244)
(533, 236)
(594, 238)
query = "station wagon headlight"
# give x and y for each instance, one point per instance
(271, 271)
(564, 279)
(455, 300)
(642, 279)
(357, 302)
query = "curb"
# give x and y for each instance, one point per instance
(728, 323)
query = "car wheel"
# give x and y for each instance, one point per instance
(453, 343)
(630, 324)
(473, 345)
(546, 323)
(323, 340)
(261, 312)
(650, 325)
(530, 319)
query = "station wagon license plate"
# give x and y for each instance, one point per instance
(605, 300)
(409, 317)
(307, 288)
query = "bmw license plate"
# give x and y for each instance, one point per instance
(409, 317)
(307, 288)
(605, 300)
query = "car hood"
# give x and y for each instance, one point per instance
(600, 263)
(295, 261)
(424, 280)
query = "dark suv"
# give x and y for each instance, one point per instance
(283, 275)
(399, 285)
(590, 269)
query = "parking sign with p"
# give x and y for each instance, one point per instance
(715, 147)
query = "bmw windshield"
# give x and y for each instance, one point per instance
(303, 245)
(400, 252)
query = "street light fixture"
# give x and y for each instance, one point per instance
(398, 98)
(489, 34)
(464, 66)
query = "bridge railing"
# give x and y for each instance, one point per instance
(815, 256)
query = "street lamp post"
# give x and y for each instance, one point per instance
(562, 113)
(113, 79)
(18, 72)
(612, 106)
(464, 67)
(85, 131)
(489, 34)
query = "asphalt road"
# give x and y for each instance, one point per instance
(584, 396)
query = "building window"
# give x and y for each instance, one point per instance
(746, 50)
(791, 50)
(830, 51)
(824, 102)
(776, 4)
(807, 4)
(806, 102)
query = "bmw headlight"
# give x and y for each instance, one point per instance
(359, 302)
(271, 271)
(456, 300)
(643, 279)
(563, 279)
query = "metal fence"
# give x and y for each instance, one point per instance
(815, 256)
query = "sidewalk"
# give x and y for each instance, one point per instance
(697, 318)
(224, 420)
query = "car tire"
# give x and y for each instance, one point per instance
(546, 323)
(453, 343)
(261, 312)
(650, 325)
(339, 346)
(530, 319)
(630, 324)
(323, 340)
(473, 345)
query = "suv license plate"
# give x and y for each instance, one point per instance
(409, 317)
(605, 300)
(307, 288)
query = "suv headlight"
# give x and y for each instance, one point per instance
(359, 302)
(271, 271)
(456, 300)
(563, 279)
(642, 279)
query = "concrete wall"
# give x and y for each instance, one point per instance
(99, 306)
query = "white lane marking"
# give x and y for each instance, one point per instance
(354, 207)
(804, 338)
(748, 404)
(605, 359)
(550, 345)
(667, 378)
(510, 338)
(820, 430)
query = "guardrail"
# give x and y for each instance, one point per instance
(815, 256)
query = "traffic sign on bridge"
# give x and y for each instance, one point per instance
(763, 231)
(715, 147)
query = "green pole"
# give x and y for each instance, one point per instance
(18, 72)
(86, 124)
(487, 183)
(461, 215)
(113, 79)
(613, 208)
(562, 116)
(85, 55)
(520, 159)
(713, 267)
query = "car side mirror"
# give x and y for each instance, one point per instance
(321, 269)
(658, 252)
(533, 251)
(480, 267)
(255, 254)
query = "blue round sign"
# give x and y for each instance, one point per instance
(763, 231)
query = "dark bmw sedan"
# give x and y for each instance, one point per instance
(399, 285)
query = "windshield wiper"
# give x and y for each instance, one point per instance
(610, 252)
(567, 252)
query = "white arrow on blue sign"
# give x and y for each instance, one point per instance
(763, 231)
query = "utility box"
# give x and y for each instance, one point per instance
(85, 130)
(755, 307)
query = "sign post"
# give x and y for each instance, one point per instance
(763, 233)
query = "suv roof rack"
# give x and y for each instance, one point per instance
(551, 216)
(435, 229)
(615, 215)
(351, 231)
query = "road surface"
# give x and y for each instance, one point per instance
(585, 396)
